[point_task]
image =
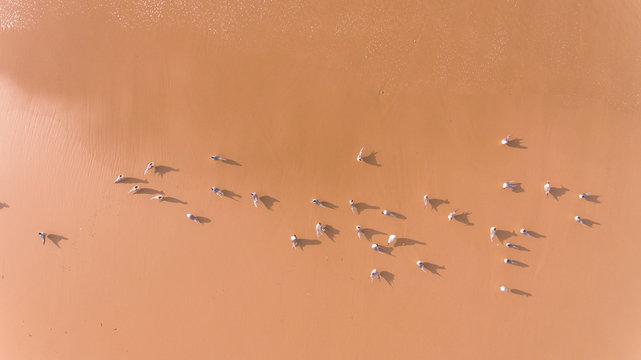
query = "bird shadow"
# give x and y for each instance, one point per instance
(203, 219)
(520, 248)
(396, 215)
(407, 242)
(132, 180)
(371, 159)
(516, 143)
(162, 170)
(305, 242)
(173, 200)
(371, 232)
(55, 239)
(435, 203)
(149, 191)
(329, 205)
(361, 206)
(557, 192)
(388, 277)
(231, 195)
(503, 235)
(518, 263)
(4, 205)
(268, 201)
(536, 235)
(520, 292)
(593, 198)
(590, 223)
(387, 250)
(331, 232)
(232, 162)
(518, 188)
(463, 218)
(433, 268)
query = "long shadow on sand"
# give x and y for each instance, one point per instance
(301, 243)
(435, 203)
(593, 198)
(535, 234)
(3, 205)
(590, 223)
(407, 242)
(173, 200)
(518, 263)
(331, 232)
(503, 235)
(464, 218)
(387, 250)
(371, 159)
(557, 192)
(362, 206)
(518, 188)
(163, 169)
(519, 247)
(149, 191)
(132, 180)
(231, 195)
(203, 219)
(268, 201)
(433, 268)
(516, 143)
(388, 277)
(56, 239)
(395, 214)
(231, 162)
(371, 232)
(520, 292)
(329, 205)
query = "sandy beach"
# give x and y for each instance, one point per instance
(289, 92)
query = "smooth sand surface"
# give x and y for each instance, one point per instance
(290, 91)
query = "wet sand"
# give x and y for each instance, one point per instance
(290, 92)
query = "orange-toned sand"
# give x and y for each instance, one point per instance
(290, 91)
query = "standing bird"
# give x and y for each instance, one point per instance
(506, 140)
(119, 178)
(359, 158)
(218, 158)
(391, 239)
(319, 230)
(426, 200)
(547, 188)
(451, 215)
(512, 246)
(157, 197)
(193, 218)
(134, 189)
(524, 232)
(374, 275)
(508, 184)
(388, 213)
(376, 248)
(503, 288)
(508, 261)
(294, 240)
(42, 236)
(255, 199)
(421, 265)
(217, 191)
(351, 205)
(359, 231)
(584, 195)
(578, 219)
(149, 167)
(492, 233)
(316, 202)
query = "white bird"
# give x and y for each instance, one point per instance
(218, 158)
(421, 265)
(524, 232)
(255, 199)
(508, 184)
(315, 201)
(360, 155)
(508, 261)
(503, 288)
(351, 205)
(578, 219)
(388, 213)
(149, 167)
(510, 245)
(374, 275)
(359, 231)
(193, 218)
(492, 233)
(584, 195)
(134, 189)
(376, 248)
(547, 188)
(294, 240)
(506, 140)
(319, 230)
(217, 191)
(451, 215)
(119, 178)
(42, 236)
(426, 200)
(157, 197)
(391, 239)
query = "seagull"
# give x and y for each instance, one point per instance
(503, 288)
(510, 245)
(119, 178)
(42, 236)
(524, 232)
(492, 233)
(391, 239)
(388, 213)
(193, 218)
(157, 197)
(315, 201)
(584, 195)
(359, 231)
(149, 167)
(508, 184)
(217, 191)
(294, 240)
(255, 198)
(506, 140)
(451, 215)
(376, 248)
(426, 200)
(360, 155)
(578, 219)
(134, 189)
(319, 230)
(374, 275)
(508, 261)
(218, 158)
(421, 265)
(351, 204)
(547, 188)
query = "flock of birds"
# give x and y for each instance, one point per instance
(320, 229)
